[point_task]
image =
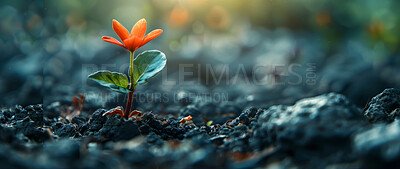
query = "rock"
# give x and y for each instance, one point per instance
(320, 124)
(3, 119)
(152, 122)
(144, 129)
(31, 130)
(20, 113)
(383, 106)
(37, 134)
(154, 139)
(38, 107)
(97, 120)
(36, 116)
(7, 113)
(195, 132)
(67, 130)
(219, 140)
(128, 130)
(379, 146)
(245, 117)
(30, 108)
(117, 129)
(79, 120)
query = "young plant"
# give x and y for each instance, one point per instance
(145, 66)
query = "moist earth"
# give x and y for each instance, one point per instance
(317, 132)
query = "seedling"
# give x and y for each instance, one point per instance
(145, 66)
(209, 123)
(77, 106)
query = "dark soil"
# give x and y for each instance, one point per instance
(318, 132)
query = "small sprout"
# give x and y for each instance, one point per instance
(76, 108)
(209, 123)
(119, 110)
(78, 102)
(145, 66)
(185, 119)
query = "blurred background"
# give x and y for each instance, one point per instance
(275, 51)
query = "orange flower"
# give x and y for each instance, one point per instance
(135, 39)
(179, 17)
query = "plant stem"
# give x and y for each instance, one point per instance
(132, 88)
(131, 70)
(128, 105)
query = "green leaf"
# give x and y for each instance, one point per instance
(114, 80)
(209, 123)
(147, 65)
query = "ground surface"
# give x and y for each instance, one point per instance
(322, 131)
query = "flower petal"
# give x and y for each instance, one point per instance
(112, 40)
(139, 29)
(121, 31)
(132, 43)
(151, 36)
